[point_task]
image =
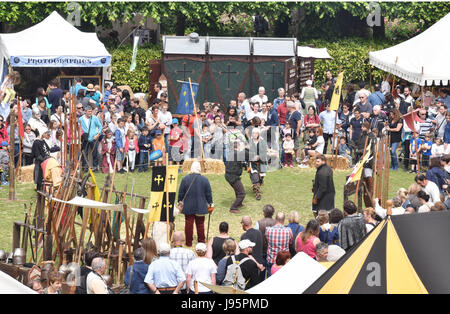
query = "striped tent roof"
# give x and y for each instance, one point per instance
(403, 254)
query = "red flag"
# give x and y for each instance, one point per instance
(20, 120)
(410, 118)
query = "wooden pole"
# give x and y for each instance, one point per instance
(167, 200)
(362, 157)
(198, 124)
(386, 172)
(12, 133)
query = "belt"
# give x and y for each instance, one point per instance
(167, 289)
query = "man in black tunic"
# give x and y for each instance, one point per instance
(323, 189)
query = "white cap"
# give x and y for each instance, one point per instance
(308, 82)
(245, 244)
(164, 247)
(200, 247)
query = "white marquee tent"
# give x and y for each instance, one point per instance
(8, 285)
(293, 278)
(422, 59)
(54, 42)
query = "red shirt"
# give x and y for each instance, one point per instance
(312, 120)
(176, 133)
(282, 112)
(278, 239)
(188, 120)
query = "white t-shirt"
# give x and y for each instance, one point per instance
(433, 191)
(201, 269)
(166, 119)
(321, 144)
(259, 100)
(437, 150)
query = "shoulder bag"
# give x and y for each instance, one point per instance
(126, 290)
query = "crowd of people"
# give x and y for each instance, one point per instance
(290, 129)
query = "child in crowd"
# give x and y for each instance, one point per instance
(107, 92)
(426, 150)
(119, 136)
(158, 144)
(328, 233)
(175, 143)
(288, 146)
(7, 88)
(437, 149)
(309, 143)
(287, 130)
(108, 152)
(28, 140)
(344, 150)
(415, 146)
(4, 162)
(206, 137)
(131, 148)
(144, 147)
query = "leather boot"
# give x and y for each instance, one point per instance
(257, 191)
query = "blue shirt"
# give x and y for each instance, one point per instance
(327, 118)
(138, 285)
(272, 118)
(277, 102)
(415, 145)
(95, 126)
(77, 87)
(376, 98)
(447, 134)
(26, 115)
(427, 152)
(164, 273)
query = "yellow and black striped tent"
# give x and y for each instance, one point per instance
(404, 254)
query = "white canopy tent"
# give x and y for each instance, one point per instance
(422, 59)
(316, 53)
(293, 278)
(8, 285)
(68, 47)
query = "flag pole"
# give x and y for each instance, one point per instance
(167, 199)
(19, 117)
(359, 181)
(195, 112)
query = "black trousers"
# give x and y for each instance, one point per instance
(240, 193)
(327, 137)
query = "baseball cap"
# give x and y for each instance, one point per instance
(200, 247)
(174, 121)
(441, 100)
(245, 244)
(164, 248)
(4, 143)
(158, 132)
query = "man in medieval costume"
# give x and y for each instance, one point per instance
(258, 158)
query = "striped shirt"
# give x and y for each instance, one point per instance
(182, 256)
(278, 239)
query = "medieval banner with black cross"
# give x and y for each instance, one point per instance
(334, 105)
(158, 201)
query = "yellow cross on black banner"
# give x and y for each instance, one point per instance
(162, 182)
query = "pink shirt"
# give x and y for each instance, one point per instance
(309, 247)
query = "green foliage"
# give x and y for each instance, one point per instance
(138, 80)
(352, 54)
(396, 31)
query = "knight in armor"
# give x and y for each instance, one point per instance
(258, 157)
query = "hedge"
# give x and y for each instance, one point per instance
(138, 80)
(352, 54)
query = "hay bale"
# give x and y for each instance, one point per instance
(341, 164)
(26, 174)
(209, 166)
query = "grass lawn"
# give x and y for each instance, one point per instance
(286, 189)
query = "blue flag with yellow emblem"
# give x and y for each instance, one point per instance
(186, 105)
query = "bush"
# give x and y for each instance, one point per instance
(352, 54)
(138, 80)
